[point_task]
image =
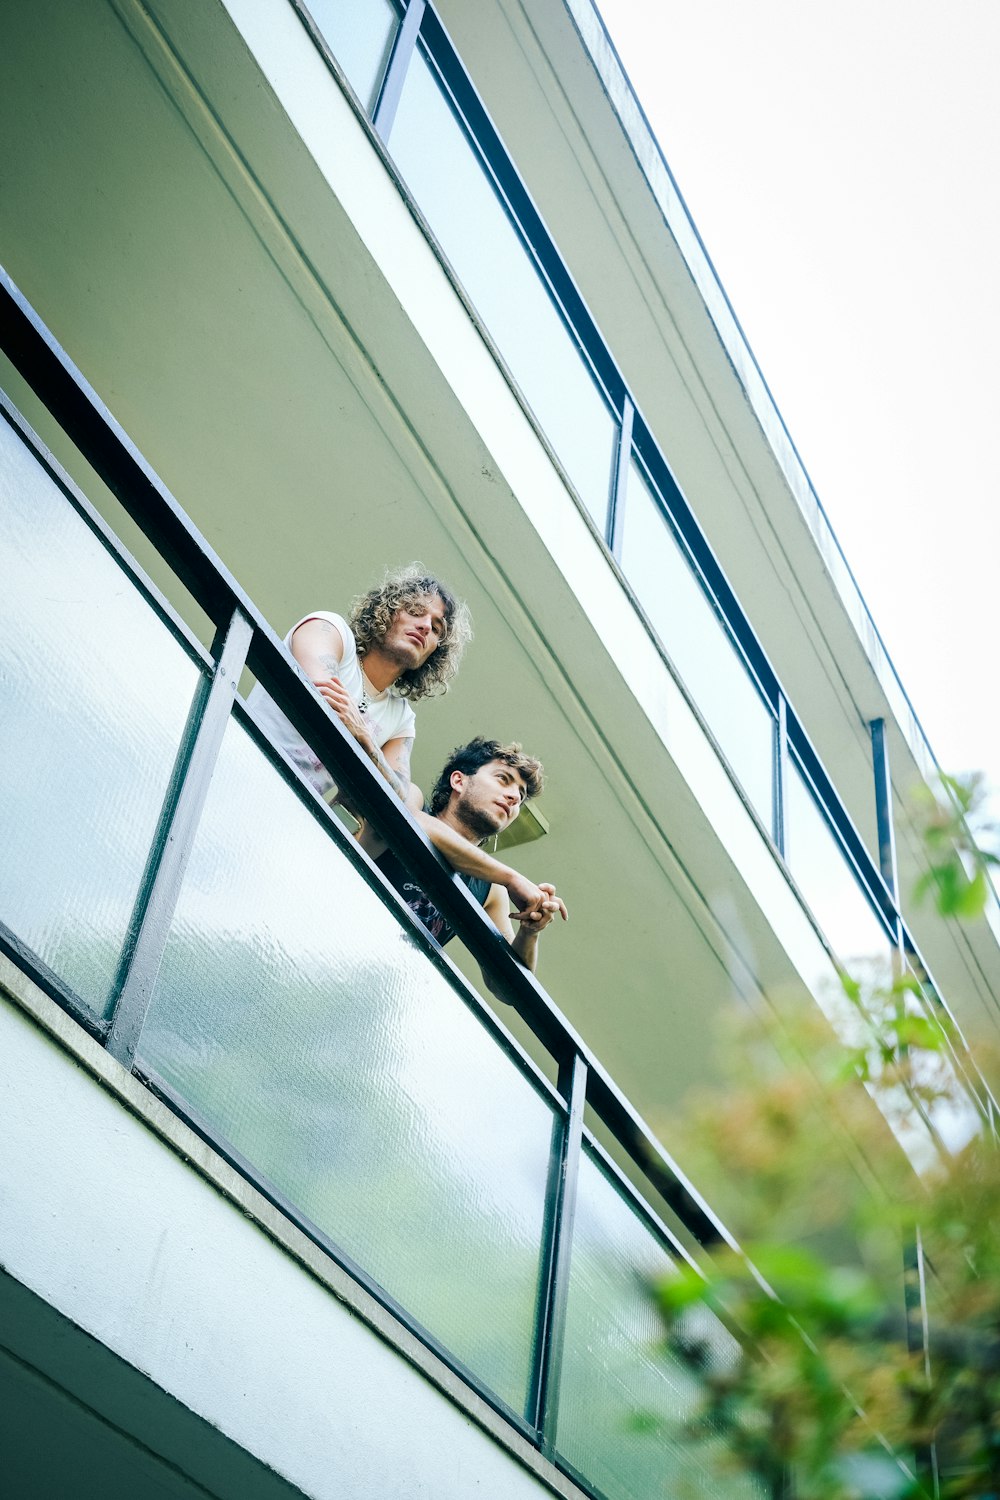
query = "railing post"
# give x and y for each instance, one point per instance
(550, 1322)
(918, 1339)
(183, 806)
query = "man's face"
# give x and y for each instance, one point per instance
(490, 799)
(415, 631)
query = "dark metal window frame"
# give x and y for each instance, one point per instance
(636, 439)
(485, 139)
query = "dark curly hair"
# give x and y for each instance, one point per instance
(371, 615)
(479, 752)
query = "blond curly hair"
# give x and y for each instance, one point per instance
(372, 614)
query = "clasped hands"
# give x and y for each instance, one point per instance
(537, 905)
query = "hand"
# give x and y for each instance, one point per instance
(525, 894)
(344, 706)
(537, 917)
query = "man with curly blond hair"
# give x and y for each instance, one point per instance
(402, 641)
(480, 792)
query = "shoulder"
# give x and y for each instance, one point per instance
(349, 647)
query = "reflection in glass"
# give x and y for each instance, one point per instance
(459, 202)
(308, 1028)
(697, 644)
(94, 696)
(615, 1369)
(360, 34)
(826, 880)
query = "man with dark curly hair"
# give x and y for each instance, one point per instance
(480, 792)
(402, 641)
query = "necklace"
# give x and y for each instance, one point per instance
(368, 694)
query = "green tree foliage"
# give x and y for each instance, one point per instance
(851, 1385)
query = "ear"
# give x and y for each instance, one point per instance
(457, 780)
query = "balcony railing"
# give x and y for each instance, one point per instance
(170, 882)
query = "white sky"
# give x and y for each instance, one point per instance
(842, 164)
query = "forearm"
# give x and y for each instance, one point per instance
(525, 946)
(399, 782)
(464, 856)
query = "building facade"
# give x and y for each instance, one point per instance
(289, 1205)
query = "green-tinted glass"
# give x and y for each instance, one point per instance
(94, 696)
(308, 1027)
(360, 34)
(825, 878)
(459, 201)
(623, 1399)
(697, 643)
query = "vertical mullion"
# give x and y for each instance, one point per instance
(172, 850)
(392, 84)
(616, 519)
(550, 1327)
(780, 808)
(883, 818)
(918, 1338)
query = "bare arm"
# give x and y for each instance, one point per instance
(470, 859)
(530, 924)
(318, 647)
(393, 762)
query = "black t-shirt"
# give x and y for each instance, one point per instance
(417, 899)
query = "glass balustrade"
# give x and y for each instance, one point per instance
(302, 1022)
(447, 177)
(623, 1398)
(360, 34)
(697, 642)
(95, 692)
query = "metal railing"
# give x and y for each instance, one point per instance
(244, 639)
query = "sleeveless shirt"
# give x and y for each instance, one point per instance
(417, 899)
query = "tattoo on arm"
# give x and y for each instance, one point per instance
(330, 664)
(398, 778)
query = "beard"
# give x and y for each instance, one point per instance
(481, 823)
(402, 654)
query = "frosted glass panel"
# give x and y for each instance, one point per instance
(310, 1030)
(826, 880)
(360, 34)
(615, 1371)
(451, 186)
(697, 644)
(94, 695)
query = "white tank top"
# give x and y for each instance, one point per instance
(389, 715)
